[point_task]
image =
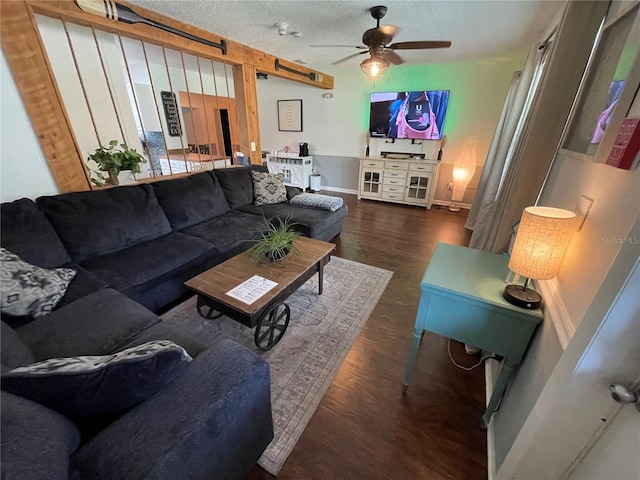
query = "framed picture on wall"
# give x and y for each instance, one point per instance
(290, 115)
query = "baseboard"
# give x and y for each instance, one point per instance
(554, 309)
(446, 203)
(491, 368)
(338, 189)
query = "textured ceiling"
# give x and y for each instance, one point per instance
(479, 30)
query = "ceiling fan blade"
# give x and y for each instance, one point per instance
(420, 45)
(349, 57)
(359, 47)
(393, 57)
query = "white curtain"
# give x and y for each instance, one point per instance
(491, 199)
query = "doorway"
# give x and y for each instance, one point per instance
(226, 133)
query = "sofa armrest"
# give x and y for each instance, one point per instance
(213, 422)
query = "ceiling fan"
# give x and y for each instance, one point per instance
(378, 45)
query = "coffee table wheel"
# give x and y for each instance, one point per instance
(272, 325)
(206, 311)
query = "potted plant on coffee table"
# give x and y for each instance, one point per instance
(276, 241)
(113, 159)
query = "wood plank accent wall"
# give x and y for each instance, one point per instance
(22, 46)
(244, 79)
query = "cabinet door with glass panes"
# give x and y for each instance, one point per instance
(418, 187)
(371, 182)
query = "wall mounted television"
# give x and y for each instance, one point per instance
(416, 115)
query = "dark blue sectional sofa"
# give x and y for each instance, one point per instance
(133, 247)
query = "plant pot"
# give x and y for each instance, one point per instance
(125, 177)
(278, 255)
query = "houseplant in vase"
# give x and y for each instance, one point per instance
(276, 241)
(113, 159)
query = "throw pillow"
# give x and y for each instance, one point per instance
(268, 188)
(26, 289)
(97, 385)
(314, 200)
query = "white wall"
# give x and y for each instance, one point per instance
(23, 169)
(338, 127)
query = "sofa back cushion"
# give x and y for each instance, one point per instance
(27, 233)
(14, 352)
(95, 223)
(191, 200)
(237, 184)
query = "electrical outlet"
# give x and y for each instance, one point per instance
(450, 186)
(253, 146)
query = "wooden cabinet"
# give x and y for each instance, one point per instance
(296, 170)
(408, 181)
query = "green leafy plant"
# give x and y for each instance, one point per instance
(276, 241)
(113, 159)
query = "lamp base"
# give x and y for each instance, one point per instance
(453, 208)
(522, 297)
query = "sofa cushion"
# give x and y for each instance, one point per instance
(166, 331)
(26, 289)
(97, 324)
(191, 200)
(229, 233)
(36, 441)
(105, 221)
(237, 184)
(82, 285)
(314, 200)
(146, 263)
(97, 385)
(28, 233)
(13, 351)
(308, 221)
(268, 188)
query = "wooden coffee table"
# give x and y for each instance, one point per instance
(269, 313)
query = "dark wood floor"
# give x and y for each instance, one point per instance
(364, 428)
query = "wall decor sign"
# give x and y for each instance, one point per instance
(171, 113)
(290, 115)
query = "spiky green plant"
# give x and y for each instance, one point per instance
(275, 241)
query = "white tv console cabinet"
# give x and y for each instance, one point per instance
(296, 170)
(409, 180)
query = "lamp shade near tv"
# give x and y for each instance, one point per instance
(416, 115)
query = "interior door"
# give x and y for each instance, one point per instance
(575, 422)
(614, 453)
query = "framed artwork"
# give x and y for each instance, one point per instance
(290, 115)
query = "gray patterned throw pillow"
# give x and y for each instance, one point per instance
(315, 200)
(26, 289)
(268, 188)
(96, 385)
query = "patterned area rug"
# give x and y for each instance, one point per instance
(307, 358)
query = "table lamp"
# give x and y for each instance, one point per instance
(543, 235)
(463, 170)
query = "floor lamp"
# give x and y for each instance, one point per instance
(463, 170)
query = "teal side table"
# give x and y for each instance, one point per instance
(462, 300)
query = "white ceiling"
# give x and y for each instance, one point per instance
(479, 30)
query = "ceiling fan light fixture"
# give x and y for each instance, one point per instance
(374, 66)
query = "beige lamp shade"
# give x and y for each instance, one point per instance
(464, 168)
(543, 235)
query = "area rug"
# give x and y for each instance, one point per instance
(307, 358)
